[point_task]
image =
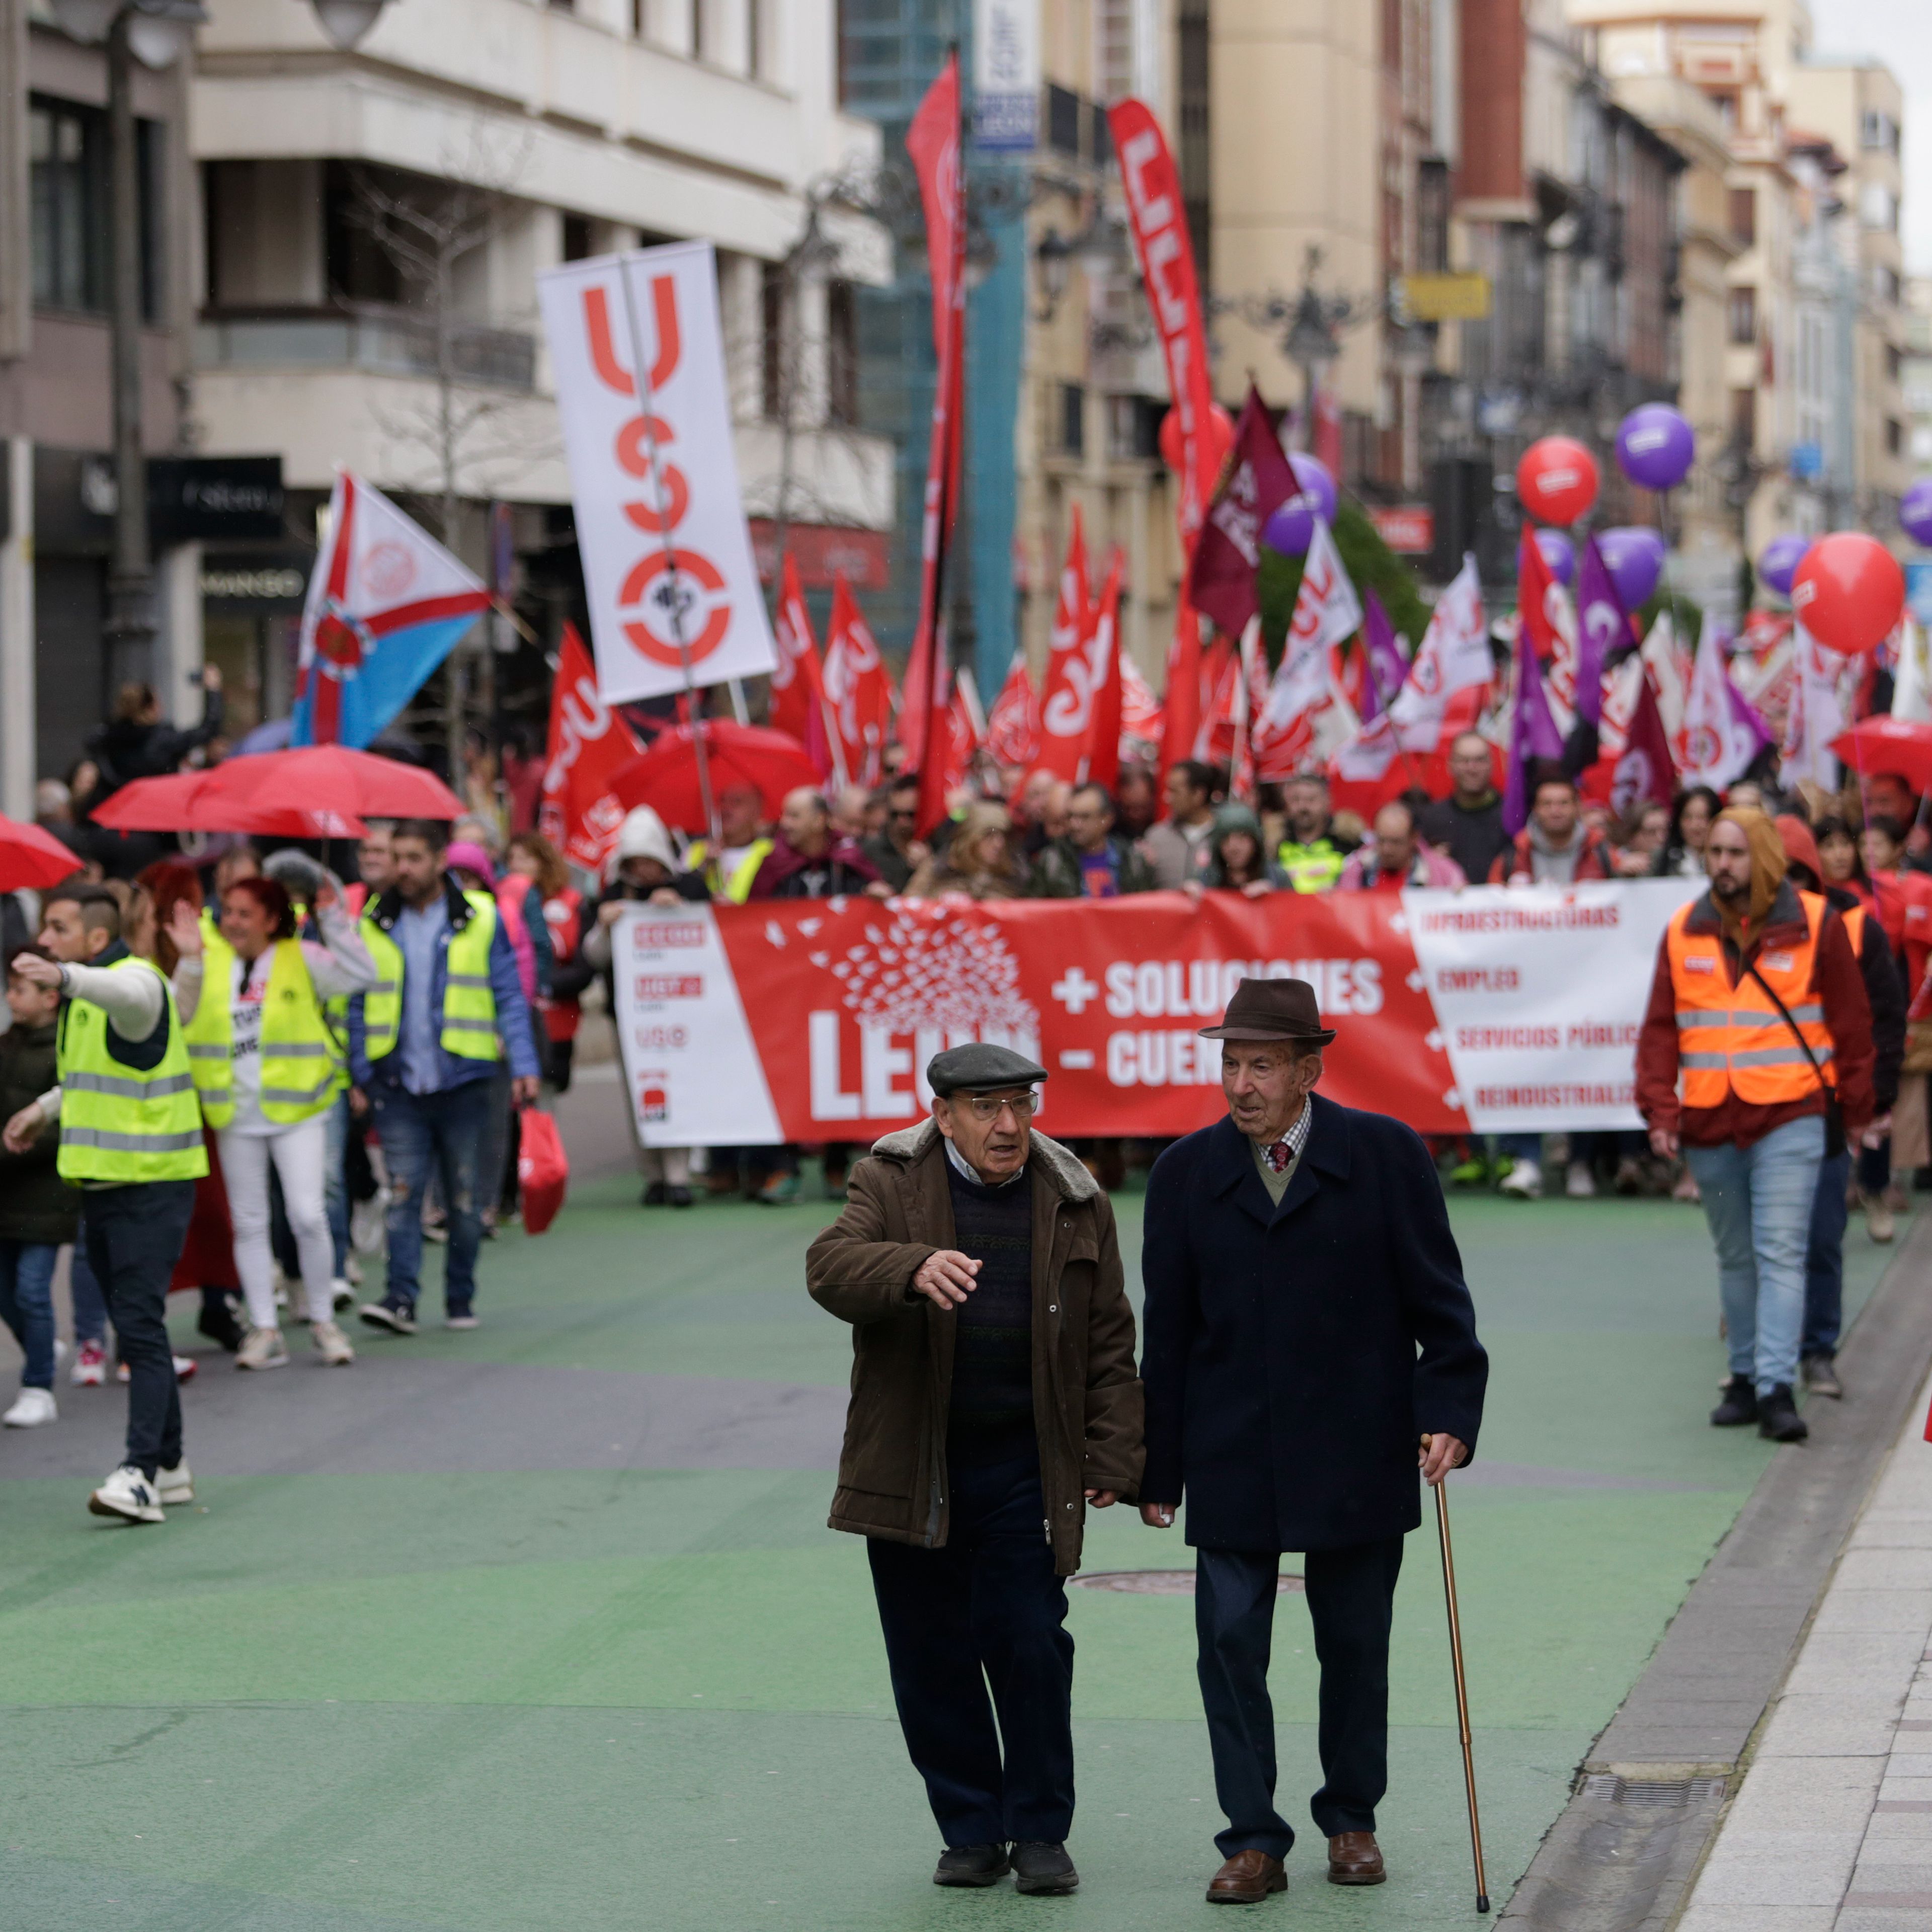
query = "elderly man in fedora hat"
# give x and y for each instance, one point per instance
(1307, 1325)
(993, 1399)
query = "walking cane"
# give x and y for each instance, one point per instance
(1462, 1688)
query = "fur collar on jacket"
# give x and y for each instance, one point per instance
(1059, 1164)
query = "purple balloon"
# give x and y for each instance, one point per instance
(1633, 555)
(1656, 446)
(1291, 528)
(1915, 510)
(1560, 554)
(1777, 562)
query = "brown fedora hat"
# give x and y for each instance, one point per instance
(1272, 1009)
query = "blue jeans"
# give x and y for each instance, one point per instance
(335, 1181)
(27, 1306)
(445, 1130)
(1825, 1261)
(90, 1305)
(1758, 1201)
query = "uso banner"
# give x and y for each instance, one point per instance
(1488, 1010)
(631, 512)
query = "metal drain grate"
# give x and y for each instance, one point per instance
(1653, 1793)
(1162, 1582)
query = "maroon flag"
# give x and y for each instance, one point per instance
(1221, 578)
(1645, 772)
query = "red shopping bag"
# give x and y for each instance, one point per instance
(543, 1169)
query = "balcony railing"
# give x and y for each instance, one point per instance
(384, 342)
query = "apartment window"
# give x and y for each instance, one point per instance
(771, 338)
(1432, 216)
(576, 246)
(1133, 428)
(1895, 436)
(1744, 216)
(1072, 420)
(357, 267)
(1196, 158)
(66, 146)
(1744, 419)
(1885, 284)
(1114, 49)
(1062, 120)
(1878, 206)
(1894, 362)
(841, 353)
(1744, 316)
(1877, 130)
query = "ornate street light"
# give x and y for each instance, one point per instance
(346, 21)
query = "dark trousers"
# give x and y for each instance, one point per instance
(133, 1236)
(1824, 1259)
(985, 1612)
(1351, 1600)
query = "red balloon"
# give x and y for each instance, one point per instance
(1848, 591)
(1556, 479)
(1220, 437)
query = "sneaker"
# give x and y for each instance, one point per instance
(340, 1294)
(1820, 1375)
(1474, 1172)
(399, 1320)
(1686, 1188)
(1739, 1404)
(264, 1349)
(678, 1197)
(176, 1485)
(1045, 1870)
(186, 1368)
(1579, 1183)
(331, 1345)
(655, 1195)
(129, 1495)
(1880, 1222)
(1524, 1180)
(352, 1274)
(219, 1324)
(1777, 1417)
(33, 1408)
(781, 1190)
(462, 1318)
(972, 1865)
(1629, 1180)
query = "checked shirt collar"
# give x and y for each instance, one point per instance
(1286, 1151)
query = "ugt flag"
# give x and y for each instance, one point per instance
(387, 604)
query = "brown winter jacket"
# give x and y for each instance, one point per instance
(892, 1480)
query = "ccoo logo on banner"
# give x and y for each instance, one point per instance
(668, 561)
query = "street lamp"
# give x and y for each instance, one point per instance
(345, 22)
(157, 33)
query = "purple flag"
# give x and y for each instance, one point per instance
(1533, 735)
(1385, 665)
(1603, 626)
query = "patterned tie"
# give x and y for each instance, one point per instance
(1279, 1155)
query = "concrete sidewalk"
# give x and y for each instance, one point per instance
(1831, 1830)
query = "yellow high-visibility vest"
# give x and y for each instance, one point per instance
(301, 1059)
(468, 1006)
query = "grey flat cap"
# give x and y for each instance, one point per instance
(980, 1069)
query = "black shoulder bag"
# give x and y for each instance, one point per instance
(1834, 1112)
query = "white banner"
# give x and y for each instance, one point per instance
(1006, 76)
(694, 1077)
(622, 522)
(1539, 992)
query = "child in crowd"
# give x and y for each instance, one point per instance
(38, 1210)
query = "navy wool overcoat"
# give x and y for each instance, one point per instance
(1294, 1354)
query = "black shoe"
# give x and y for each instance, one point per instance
(972, 1865)
(1820, 1375)
(1046, 1870)
(218, 1323)
(1777, 1417)
(1739, 1405)
(678, 1197)
(653, 1196)
(397, 1319)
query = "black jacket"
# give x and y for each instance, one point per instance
(1295, 1354)
(35, 1203)
(1885, 988)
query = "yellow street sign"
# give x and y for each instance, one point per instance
(1463, 297)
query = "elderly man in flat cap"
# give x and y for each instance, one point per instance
(1307, 1326)
(993, 1399)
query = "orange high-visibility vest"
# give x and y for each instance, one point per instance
(1732, 1040)
(1854, 917)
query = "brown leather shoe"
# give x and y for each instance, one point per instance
(1355, 1859)
(1247, 1879)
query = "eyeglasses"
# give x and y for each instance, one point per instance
(987, 1106)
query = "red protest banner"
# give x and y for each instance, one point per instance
(587, 742)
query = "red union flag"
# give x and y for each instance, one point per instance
(1221, 579)
(667, 563)
(1067, 698)
(587, 742)
(858, 689)
(1012, 730)
(798, 681)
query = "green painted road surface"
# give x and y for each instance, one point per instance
(540, 1626)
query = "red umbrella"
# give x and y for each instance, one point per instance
(332, 777)
(29, 856)
(1887, 744)
(665, 777)
(188, 802)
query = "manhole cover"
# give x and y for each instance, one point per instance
(1164, 1582)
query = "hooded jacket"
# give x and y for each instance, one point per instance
(893, 1477)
